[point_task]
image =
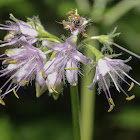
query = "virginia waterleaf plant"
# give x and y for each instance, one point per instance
(35, 55)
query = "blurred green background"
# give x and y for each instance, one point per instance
(32, 119)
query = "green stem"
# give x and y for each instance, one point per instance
(87, 102)
(75, 112)
(88, 98)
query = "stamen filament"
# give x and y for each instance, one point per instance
(126, 50)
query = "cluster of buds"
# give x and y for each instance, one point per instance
(36, 55)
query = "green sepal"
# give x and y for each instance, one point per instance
(56, 95)
(40, 89)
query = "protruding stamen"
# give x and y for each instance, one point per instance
(0, 92)
(75, 84)
(69, 12)
(111, 101)
(1, 101)
(53, 55)
(131, 86)
(0, 41)
(64, 24)
(72, 68)
(12, 62)
(85, 35)
(111, 108)
(43, 75)
(130, 98)
(15, 93)
(73, 25)
(53, 89)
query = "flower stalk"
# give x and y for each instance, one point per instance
(75, 112)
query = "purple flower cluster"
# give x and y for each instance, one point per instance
(26, 62)
(29, 59)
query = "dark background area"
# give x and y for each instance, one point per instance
(31, 118)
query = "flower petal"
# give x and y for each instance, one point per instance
(27, 29)
(80, 57)
(53, 80)
(94, 82)
(71, 74)
(53, 45)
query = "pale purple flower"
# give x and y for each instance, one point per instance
(110, 71)
(22, 65)
(65, 62)
(18, 29)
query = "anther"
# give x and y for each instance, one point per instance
(53, 89)
(85, 35)
(53, 55)
(130, 98)
(111, 108)
(111, 101)
(69, 12)
(131, 86)
(12, 62)
(64, 24)
(1, 101)
(23, 83)
(77, 16)
(75, 84)
(26, 82)
(72, 68)
(43, 75)
(73, 25)
(15, 93)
